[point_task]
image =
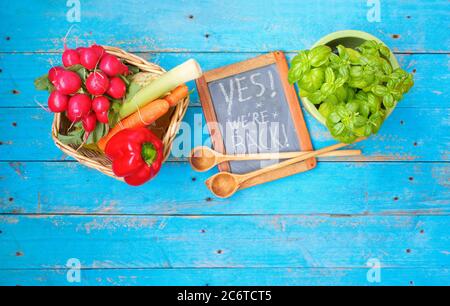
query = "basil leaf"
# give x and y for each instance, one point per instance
(316, 97)
(319, 55)
(359, 121)
(388, 101)
(380, 90)
(325, 109)
(329, 75)
(364, 109)
(341, 94)
(353, 106)
(334, 117)
(337, 129)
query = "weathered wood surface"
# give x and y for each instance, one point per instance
(315, 228)
(230, 26)
(355, 188)
(224, 241)
(230, 276)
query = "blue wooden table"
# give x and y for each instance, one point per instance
(389, 208)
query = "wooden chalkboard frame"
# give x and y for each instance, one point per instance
(279, 59)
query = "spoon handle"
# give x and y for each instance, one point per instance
(284, 155)
(245, 177)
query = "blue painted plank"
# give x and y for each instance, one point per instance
(413, 26)
(410, 134)
(229, 277)
(331, 188)
(432, 75)
(224, 241)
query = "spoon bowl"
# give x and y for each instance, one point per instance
(203, 159)
(223, 184)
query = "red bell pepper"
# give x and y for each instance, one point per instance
(136, 154)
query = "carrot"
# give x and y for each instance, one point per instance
(143, 117)
(177, 94)
(147, 114)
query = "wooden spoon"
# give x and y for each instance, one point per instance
(225, 184)
(204, 158)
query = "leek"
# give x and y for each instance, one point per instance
(188, 71)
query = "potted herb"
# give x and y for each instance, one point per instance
(349, 81)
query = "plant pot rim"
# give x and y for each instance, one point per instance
(310, 107)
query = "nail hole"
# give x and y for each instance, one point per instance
(207, 35)
(408, 17)
(18, 254)
(422, 231)
(414, 71)
(1, 142)
(8, 38)
(15, 92)
(402, 122)
(395, 198)
(203, 231)
(408, 251)
(1, 232)
(395, 36)
(191, 16)
(219, 251)
(208, 199)
(411, 282)
(415, 144)
(193, 179)
(11, 199)
(1, 70)
(411, 178)
(14, 124)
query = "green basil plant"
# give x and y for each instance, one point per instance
(353, 89)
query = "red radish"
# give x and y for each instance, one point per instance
(57, 102)
(102, 117)
(125, 70)
(100, 104)
(117, 88)
(97, 83)
(99, 50)
(88, 58)
(111, 65)
(70, 57)
(89, 122)
(67, 82)
(79, 49)
(53, 72)
(79, 106)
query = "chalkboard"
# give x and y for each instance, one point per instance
(250, 108)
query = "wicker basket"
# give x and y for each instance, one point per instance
(166, 127)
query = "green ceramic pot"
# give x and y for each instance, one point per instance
(349, 39)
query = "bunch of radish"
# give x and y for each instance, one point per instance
(88, 101)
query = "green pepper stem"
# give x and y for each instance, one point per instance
(148, 153)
